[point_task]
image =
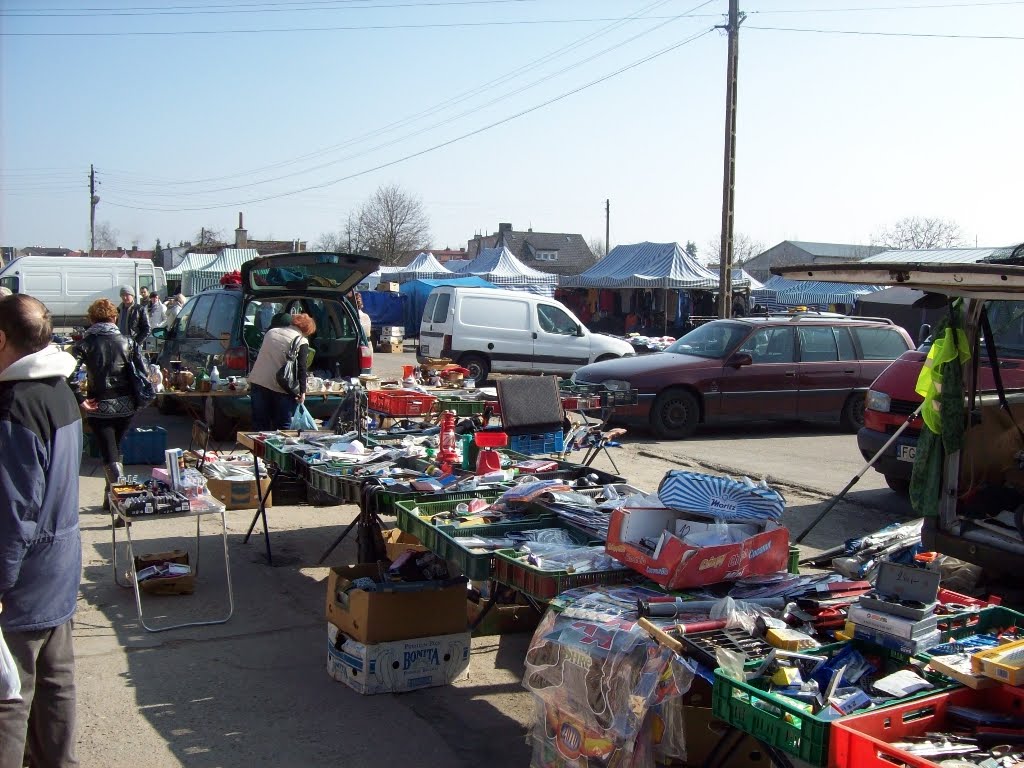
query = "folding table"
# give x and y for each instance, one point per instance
(209, 507)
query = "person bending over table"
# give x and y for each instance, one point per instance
(272, 407)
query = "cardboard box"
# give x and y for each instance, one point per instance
(678, 565)
(390, 347)
(173, 585)
(502, 619)
(392, 333)
(239, 494)
(422, 609)
(703, 732)
(387, 285)
(398, 542)
(405, 665)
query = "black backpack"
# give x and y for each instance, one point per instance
(288, 376)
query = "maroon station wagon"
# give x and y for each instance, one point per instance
(803, 366)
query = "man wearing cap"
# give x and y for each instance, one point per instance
(132, 320)
(156, 310)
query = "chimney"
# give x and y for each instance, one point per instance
(503, 228)
(135, 248)
(241, 236)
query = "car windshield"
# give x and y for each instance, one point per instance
(712, 340)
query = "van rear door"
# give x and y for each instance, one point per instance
(435, 322)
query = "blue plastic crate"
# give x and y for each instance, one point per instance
(144, 445)
(541, 442)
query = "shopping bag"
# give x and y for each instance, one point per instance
(10, 680)
(302, 419)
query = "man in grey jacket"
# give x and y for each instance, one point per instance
(132, 318)
(40, 544)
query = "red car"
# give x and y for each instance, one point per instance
(804, 366)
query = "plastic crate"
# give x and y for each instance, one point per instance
(144, 445)
(984, 621)
(460, 406)
(273, 454)
(611, 398)
(542, 442)
(511, 569)
(782, 724)
(478, 566)
(400, 402)
(421, 525)
(581, 402)
(289, 491)
(320, 498)
(865, 741)
(567, 387)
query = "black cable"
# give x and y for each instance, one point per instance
(440, 145)
(885, 34)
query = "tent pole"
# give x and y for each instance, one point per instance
(664, 327)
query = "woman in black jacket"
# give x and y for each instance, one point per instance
(108, 403)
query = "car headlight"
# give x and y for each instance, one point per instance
(616, 385)
(878, 401)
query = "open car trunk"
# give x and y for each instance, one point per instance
(314, 283)
(983, 483)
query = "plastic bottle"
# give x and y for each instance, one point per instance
(214, 378)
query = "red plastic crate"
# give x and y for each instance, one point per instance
(864, 741)
(400, 402)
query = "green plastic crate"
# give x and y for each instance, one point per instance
(420, 525)
(543, 585)
(984, 621)
(274, 455)
(478, 566)
(779, 723)
(461, 407)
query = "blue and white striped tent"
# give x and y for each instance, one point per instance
(208, 276)
(423, 267)
(500, 267)
(779, 293)
(648, 265)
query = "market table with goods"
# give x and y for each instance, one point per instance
(671, 625)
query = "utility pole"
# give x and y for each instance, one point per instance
(607, 226)
(93, 200)
(729, 180)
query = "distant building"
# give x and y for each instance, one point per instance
(122, 253)
(791, 252)
(41, 250)
(559, 253)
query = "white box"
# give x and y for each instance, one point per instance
(389, 332)
(404, 665)
(173, 459)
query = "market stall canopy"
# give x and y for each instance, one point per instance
(741, 279)
(191, 263)
(909, 308)
(423, 267)
(779, 292)
(415, 292)
(646, 265)
(371, 281)
(501, 268)
(208, 276)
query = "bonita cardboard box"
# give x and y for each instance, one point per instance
(405, 665)
(411, 610)
(238, 494)
(678, 565)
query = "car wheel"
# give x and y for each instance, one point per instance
(900, 485)
(166, 405)
(852, 417)
(675, 414)
(478, 366)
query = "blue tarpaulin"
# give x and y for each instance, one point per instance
(415, 293)
(384, 307)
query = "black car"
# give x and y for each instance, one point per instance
(224, 326)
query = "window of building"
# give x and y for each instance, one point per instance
(547, 255)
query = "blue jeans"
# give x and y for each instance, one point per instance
(270, 409)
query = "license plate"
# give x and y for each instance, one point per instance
(425, 349)
(906, 452)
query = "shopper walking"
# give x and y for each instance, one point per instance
(40, 545)
(156, 312)
(132, 320)
(272, 407)
(108, 403)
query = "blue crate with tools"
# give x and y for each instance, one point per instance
(144, 445)
(537, 442)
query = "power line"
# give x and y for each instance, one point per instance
(921, 7)
(348, 28)
(138, 11)
(446, 121)
(888, 34)
(449, 142)
(459, 98)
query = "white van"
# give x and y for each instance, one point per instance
(67, 285)
(487, 329)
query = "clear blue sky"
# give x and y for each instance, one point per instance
(838, 135)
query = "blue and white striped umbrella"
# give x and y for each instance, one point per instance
(722, 498)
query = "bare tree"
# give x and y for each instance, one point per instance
(597, 247)
(744, 248)
(209, 236)
(106, 236)
(913, 232)
(329, 241)
(389, 225)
